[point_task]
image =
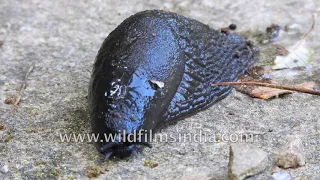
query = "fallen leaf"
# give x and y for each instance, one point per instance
(267, 93)
(307, 85)
(299, 55)
(258, 74)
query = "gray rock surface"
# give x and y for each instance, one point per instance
(61, 38)
(246, 160)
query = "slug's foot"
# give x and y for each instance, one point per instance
(143, 142)
(122, 148)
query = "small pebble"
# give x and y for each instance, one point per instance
(308, 68)
(291, 155)
(246, 160)
(232, 27)
(281, 176)
(267, 76)
(4, 169)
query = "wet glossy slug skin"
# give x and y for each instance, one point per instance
(184, 54)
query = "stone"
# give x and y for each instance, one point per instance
(281, 176)
(291, 155)
(4, 169)
(246, 160)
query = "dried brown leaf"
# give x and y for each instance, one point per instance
(267, 92)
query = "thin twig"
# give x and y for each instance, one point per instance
(308, 33)
(23, 86)
(276, 86)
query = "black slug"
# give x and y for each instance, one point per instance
(155, 68)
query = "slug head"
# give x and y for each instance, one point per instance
(134, 78)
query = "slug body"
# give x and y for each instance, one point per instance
(183, 54)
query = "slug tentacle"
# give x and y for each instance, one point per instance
(107, 146)
(108, 155)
